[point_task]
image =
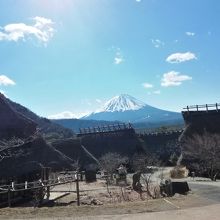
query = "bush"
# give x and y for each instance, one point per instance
(179, 172)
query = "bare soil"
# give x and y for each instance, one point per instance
(71, 210)
(114, 204)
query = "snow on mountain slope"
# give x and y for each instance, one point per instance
(128, 109)
(122, 103)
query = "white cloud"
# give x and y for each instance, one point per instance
(147, 85)
(42, 30)
(157, 43)
(181, 57)
(191, 34)
(61, 115)
(118, 60)
(5, 81)
(157, 92)
(98, 101)
(3, 92)
(173, 78)
(86, 102)
(67, 115)
(118, 57)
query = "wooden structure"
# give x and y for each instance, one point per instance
(201, 118)
(18, 193)
(105, 129)
(206, 107)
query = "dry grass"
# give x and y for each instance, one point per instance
(72, 210)
(179, 172)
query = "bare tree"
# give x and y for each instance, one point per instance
(203, 151)
(143, 162)
(143, 166)
(111, 161)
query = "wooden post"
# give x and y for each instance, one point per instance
(48, 192)
(9, 197)
(13, 185)
(77, 189)
(26, 185)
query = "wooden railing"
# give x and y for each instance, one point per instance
(105, 129)
(36, 184)
(206, 107)
(9, 190)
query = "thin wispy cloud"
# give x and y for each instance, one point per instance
(41, 29)
(118, 57)
(6, 81)
(190, 34)
(61, 115)
(157, 92)
(157, 43)
(174, 78)
(67, 115)
(98, 101)
(147, 85)
(181, 57)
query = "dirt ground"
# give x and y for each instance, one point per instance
(63, 210)
(116, 203)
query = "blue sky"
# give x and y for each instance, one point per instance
(73, 55)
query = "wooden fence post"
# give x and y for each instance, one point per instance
(77, 189)
(9, 197)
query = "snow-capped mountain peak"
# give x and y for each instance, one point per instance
(126, 108)
(122, 103)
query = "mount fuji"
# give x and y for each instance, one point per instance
(126, 108)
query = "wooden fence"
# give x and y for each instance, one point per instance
(7, 191)
(104, 129)
(206, 107)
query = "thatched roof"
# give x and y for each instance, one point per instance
(31, 156)
(12, 123)
(44, 125)
(198, 122)
(126, 144)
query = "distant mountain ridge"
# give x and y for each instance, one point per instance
(126, 108)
